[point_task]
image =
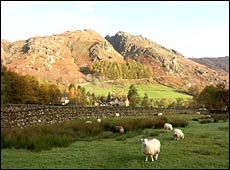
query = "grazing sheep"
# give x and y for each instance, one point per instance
(159, 114)
(117, 114)
(88, 122)
(198, 113)
(99, 120)
(119, 129)
(178, 134)
(151, 147)
(168, 127)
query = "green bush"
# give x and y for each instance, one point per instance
(223, 117)
(159, 123)
(205, 121)
(179, 123)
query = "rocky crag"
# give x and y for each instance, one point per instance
(62, 57)
(169, 66)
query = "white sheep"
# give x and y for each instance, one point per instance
(168, 127)
(118, 129)
(178, 134)
(89, 122)
(117, 114)
(159, 114)
(99, 120)
(198, 113)
(151, 147)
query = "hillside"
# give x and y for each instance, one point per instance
(217, 63)
(64, 57)
(58, 57)
(169, 66)
(121, 88)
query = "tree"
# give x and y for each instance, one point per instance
(82, 98)
(133, 96)
(214, 97)
(44, 93)
(54, 92)
(164, 103)
(195, 90)
(108, 99)
(145, 101)
(180, 102)
(34, 84)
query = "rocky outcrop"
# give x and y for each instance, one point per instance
(169, 66)
(58, 56)
(103, 51)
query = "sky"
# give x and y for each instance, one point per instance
(193, 28)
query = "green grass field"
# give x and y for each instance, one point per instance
(153, 90)
(206, 146)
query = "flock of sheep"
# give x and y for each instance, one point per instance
(152, 147)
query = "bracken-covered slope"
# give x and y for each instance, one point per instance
(59, 56)
(169, 66)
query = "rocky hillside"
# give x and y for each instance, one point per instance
(58, 57)
(169, 66)
(62, 57)
(218, 63)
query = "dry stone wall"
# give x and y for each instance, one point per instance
(23, 115)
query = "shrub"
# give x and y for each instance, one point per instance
(179, 123)
(205, 121)
(45, 137)
(159, 123)
(195, 119)
(223, 117)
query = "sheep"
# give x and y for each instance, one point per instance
(99, 120)
(151, 147)
(198, 113)
(177, 133)
(119, 129)
(159, 114)
(168, 127)
(88, 122)
(117, 114)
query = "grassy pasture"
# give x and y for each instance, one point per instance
(206, 146)
(154, 90)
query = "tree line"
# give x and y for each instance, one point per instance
(112, 70)
(17, 89)
(26, 89)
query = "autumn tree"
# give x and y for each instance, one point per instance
(133, 96)
(214, 97)
(145, 101)
(54, 93)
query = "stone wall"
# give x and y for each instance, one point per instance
(23, 115)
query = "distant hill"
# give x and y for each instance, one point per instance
(217, 63)
(62, 57)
